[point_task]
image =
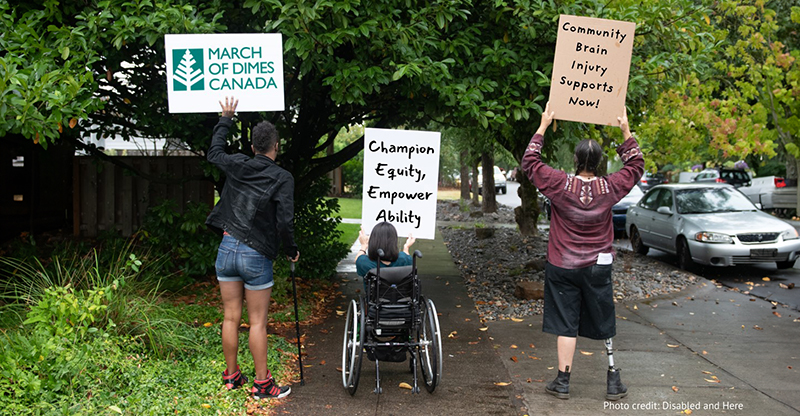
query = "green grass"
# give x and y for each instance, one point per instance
(349, 233)
(350, 208)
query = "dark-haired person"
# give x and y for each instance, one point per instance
(254, 215)
(383, 236)
(578, 297)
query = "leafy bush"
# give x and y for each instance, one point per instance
(192, 246)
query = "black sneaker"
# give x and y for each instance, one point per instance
(267, 389)
(233, 381)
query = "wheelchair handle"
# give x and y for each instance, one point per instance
(417, 253)
(380, 252)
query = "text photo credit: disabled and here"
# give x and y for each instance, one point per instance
(401, 178)
(203, 69)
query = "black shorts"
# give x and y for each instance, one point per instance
(579, 302)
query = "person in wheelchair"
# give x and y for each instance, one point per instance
(391, 321)
(384, 237)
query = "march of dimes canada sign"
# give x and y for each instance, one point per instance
(401, 175)
(590, 69)
(203, 69)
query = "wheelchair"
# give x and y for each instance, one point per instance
(391, 322)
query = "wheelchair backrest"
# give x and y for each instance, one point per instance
(395, 282)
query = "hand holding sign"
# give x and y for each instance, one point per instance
(623, 124)
(547, 118)
(409, 242)
(229, 107)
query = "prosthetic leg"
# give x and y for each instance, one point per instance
(615, 390)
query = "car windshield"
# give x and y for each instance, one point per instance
(707, 200)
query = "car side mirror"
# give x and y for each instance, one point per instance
(664, 210)
(759, 206)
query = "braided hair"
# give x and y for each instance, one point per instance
(588, 154)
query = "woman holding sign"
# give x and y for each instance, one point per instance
(578, 294)
(383, 236)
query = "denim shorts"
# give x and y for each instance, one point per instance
(237, 262)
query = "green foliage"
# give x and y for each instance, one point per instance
(185, 236)
(100, 340)
(315, 220)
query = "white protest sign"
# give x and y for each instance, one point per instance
(590, 69)
(401, 178)
(204, 69)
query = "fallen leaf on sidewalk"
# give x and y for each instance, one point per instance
(705, 352)
(766, 279)
(514, 358)
(789, 286)
(675, 389)
(517, 319)
(707, 372)
(483, 329)
(586, 352)
(757, 327)
(529, 380)
(711, 381)
(796, 320)
(503, 383)
(339, 369)
(405, 385)
(340, 313)
(534, 358)
(532, 346)
(453, 335)
(513, 346)
(776, 314)
(322, 362)
(636, 308)
(686, 411)
(673, 345)
(473, 342)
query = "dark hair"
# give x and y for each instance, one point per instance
(587, 156)
(264, 136)
(384, 236)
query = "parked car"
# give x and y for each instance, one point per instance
(650, 180)
(735, 177)
(770, 192)
(500, 186)
(620, 210)
(710, 224)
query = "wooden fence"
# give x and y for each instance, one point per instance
(108, 198)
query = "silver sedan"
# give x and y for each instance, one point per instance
(709, 224)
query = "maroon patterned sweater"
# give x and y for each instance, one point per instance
(580, 221)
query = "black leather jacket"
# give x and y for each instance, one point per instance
(257, 203)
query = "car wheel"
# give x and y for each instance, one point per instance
(785, 264)
(685, 261)
(636, 242)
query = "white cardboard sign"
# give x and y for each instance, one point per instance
(401, 175)
(204, 69)
(590, 69)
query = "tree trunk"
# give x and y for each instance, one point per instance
(527, 214)
(475, 200)
(464, 174)
(489, 196)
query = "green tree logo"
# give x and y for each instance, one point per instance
(187, 72)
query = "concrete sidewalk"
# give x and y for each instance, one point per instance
(707, 349)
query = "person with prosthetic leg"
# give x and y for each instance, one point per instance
(578, 292)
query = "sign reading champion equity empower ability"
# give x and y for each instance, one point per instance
(401, 176)
(204, 69)
(590, 69)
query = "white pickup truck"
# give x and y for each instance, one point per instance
(771, 192)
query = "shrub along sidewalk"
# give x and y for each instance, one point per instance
(94, 333)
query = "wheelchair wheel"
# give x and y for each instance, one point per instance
(430, 352)
(353, 346)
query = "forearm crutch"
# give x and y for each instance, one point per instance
(297, 326)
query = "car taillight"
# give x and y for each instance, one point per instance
(719, 180)
(780, 183)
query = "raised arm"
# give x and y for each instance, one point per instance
(216, 152)
(543, 177)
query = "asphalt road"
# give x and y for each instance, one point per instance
(510, 198)
(763, 280)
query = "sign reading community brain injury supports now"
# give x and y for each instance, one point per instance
(590, 69)
(204, 69)
(401, 176)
